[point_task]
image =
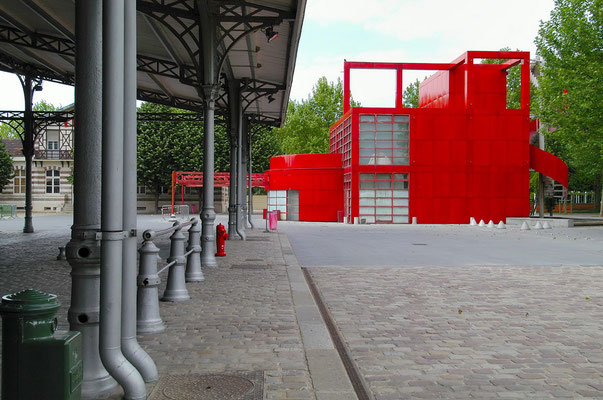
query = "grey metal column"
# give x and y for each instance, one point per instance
(28, 150)
(210, 90)
(112, 203)
(241, 181)
(250, 199)
(234, 93)
(130, 347)
(83, 251)
(244, 141)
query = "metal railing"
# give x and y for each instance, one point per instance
(184, 266)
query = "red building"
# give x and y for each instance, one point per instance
(462, 153)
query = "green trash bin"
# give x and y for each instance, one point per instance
(38, 362)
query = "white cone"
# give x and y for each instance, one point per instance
(525, 226)
(501, 225)
(472, 222)
(538, 225)
(482, 223)
(546, 225)
(491, 224)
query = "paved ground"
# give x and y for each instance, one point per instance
(424, 311)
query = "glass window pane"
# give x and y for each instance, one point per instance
(401, 184)
(369, 219)
(366, 144)
(367, 193)
(384, 127)
(367, 184)
(400, 210)
(293, 209)
(400, 152)
(383, 211)
(401, 177)
(399, 220)
(368, 135)
(400, 202)
(400, 193)
(56, 189)
(384, 185)
(367, 126)
(384, 177)
(49, 173)
(386, 118)
(367, 118)
(383, 193)
(383, 152)
(401, 135)
(383, 202)
(400, 144)
(384, 136)
(401, 118)
(366, 202)
(293, 200)
(366, 210)
(281, 201)
(367, 176)
(366, 152)
(401, 161)
(366, 161)
(398, 126)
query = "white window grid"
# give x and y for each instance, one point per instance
(285, 201)
(19, 181)
(347, 193)
(383, 139)
(53, 181)
(383, 198)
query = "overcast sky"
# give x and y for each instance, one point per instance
(377, 30)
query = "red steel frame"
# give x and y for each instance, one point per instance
(221, 179)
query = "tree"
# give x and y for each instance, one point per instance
(306, 128)
(166, 146)
(571, 83)
(6, 167)
(410, 96)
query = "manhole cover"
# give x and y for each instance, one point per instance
(244, 386)
(250, 266)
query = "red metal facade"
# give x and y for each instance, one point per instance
(461, 154)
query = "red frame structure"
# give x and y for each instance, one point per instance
(195, 179)
(460, 154)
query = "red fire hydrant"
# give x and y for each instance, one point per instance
(221, 237)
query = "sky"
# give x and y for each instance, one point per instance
(377, 30)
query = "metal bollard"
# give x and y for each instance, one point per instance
(193, 261)
(148, 319)
(176, 282)
(62, 256)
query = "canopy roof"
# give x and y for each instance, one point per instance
(38, 37)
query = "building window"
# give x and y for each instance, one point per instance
(285, 201)
(383, 139)
(141, 189)
(383, 198)
(19, 181)
(53, 181)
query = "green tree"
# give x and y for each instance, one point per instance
(6, 167)
(306, 128)
(410, 96)
(570, 92)
(264, 145)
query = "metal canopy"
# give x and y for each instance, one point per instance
(37, 37)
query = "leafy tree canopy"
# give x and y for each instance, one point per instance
(410, 96)
(571, 83)
(6, 167)
(306, 128)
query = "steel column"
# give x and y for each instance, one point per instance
(244, 141)
(241, 181)
(112, 202)
(28, 150)
(83, 251)
(234, 93)
(210, 92)
(250, 199)
(131, 349)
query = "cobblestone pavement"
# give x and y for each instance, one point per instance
(241, 318)
(471, 332)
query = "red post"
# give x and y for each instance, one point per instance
(173, 189)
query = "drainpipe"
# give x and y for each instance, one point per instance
(130, 347)
(83, 251)
(250, 200)
(244, 144)
(112, 234)
(240, 173)
(233, 94)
